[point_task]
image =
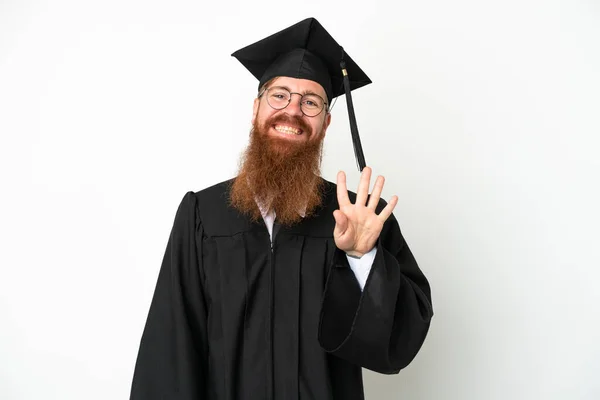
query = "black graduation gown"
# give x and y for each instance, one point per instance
(236, 317)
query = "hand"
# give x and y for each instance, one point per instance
(357, 226)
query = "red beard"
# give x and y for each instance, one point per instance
(283, 175)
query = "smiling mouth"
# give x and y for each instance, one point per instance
(288, 130)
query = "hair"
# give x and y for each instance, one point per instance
(266, 85)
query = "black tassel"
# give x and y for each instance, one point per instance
(358, 151)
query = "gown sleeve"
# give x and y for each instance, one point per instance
(171, 362)
(382, 327)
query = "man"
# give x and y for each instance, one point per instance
(278, 284)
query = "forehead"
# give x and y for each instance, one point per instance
(300, 85)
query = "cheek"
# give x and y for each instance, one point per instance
(262, 119)
(318, 127)
(263, 115)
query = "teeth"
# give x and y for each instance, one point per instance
(288, 129)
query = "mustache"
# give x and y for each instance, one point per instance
(285, 119)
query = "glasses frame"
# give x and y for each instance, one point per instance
(324, 107)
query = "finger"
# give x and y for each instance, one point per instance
(341, 223)
(342, 190)
(363, 187)
(374, 199)
(389, 208)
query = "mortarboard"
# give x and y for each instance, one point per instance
(307, 51)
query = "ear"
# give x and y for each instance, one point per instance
(255, 109)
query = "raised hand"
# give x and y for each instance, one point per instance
(357, 226)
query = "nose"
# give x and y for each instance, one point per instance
(294, 107)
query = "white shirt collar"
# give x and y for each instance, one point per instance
(271, 213)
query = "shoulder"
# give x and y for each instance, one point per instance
(193, 202)
(213, 210)
(208, 196)
(218, 192)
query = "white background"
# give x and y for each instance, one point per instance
(483, 116)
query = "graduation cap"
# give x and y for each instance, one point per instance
(307, 51)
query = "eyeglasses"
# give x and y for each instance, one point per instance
(279, 98)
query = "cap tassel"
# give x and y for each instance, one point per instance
(358, 151)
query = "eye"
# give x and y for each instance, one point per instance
(312, 102)
(279, 94)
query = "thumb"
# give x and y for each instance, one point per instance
(341, 223)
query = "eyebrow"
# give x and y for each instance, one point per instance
(303, 93)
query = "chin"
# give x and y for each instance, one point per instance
(283, 144)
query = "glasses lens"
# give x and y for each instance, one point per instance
(278, 97)
(312, 104)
